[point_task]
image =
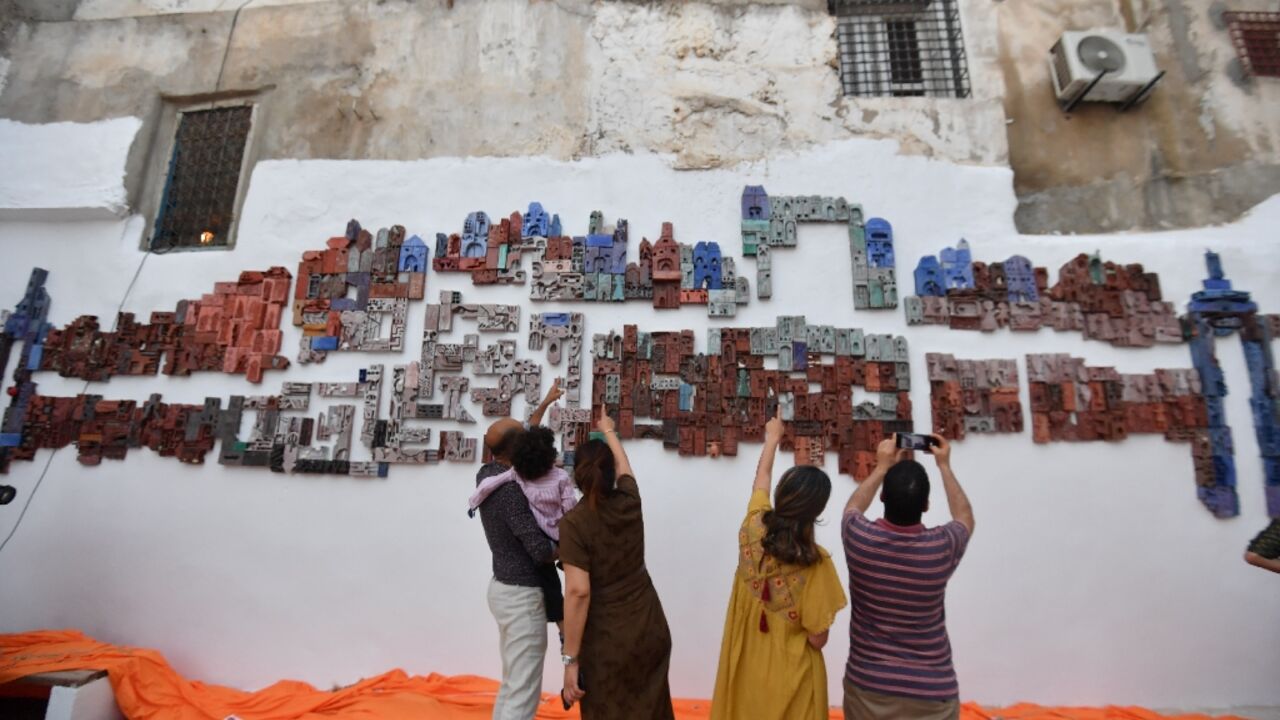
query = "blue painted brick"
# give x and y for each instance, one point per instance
(799, 355)
(1224, 470)
(326, 342)
(1221, 501)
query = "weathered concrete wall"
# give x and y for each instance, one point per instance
(1201, 150)
(103, 9)
(708, 83)
(716, 85)
(106, 9)
(38, 10)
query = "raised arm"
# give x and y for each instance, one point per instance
(957, 501)
(886, 455)
(568, 498)
(621, 466)
(577, 600)
(773, 431)
(552, 396)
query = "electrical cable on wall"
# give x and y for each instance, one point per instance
(226, 50)
(48, 463)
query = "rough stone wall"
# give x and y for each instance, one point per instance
(721, 84)
(1203, 148)
(709, 83)
(38, 10)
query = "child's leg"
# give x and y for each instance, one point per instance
(552, 593)
(559, 566)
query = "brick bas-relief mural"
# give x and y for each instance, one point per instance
(654, 383)
(657, 386)
(1120, 305)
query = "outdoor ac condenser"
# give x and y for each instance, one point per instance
(1125, 62)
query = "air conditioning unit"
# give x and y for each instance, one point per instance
(1102, 66)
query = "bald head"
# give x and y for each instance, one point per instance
(498, 438)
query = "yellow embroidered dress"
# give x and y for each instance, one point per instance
(768, 670)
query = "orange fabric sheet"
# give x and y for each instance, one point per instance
(147, 688)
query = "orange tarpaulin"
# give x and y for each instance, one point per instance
(146, 687)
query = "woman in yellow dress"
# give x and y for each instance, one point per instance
(785, 596)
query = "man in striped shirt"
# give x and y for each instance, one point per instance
(899, 654)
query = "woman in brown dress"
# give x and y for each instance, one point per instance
(617, 645)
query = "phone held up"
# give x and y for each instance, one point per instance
(581, 686)
(916, 441)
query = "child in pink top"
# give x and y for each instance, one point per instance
(551, 494)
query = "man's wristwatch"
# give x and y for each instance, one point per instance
(568, 660)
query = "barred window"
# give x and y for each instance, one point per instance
(1256, 36)
(901, 48)
(198, 202)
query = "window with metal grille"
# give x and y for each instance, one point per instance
(198, 202)
(901, 48)
(1256, 36)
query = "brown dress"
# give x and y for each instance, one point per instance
(626, 647)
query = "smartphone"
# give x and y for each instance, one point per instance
(916, 441)
(581, 686)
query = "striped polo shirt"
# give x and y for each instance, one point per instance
(898, 577)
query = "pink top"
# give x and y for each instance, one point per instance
(550, 496)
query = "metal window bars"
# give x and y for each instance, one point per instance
(198, 201)
(901, 48)
(1256, 36)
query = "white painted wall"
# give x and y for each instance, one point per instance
(1094, 576)
(64, 171)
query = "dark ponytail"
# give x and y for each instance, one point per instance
(801, 497)
(593, 471)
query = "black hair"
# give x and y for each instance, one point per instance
(534, 453)
(801, 497)
(905, 493)
(1267, 543)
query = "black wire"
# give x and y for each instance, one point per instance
(129, 291)
(152, 247)
(171, 242)
(48, 463)
(30, 496)
(231, 34)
